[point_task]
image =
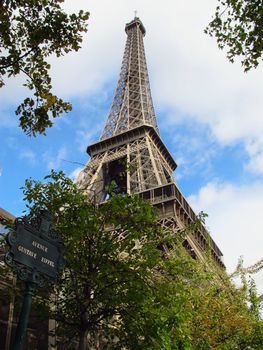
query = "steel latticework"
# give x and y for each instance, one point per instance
(132, 104)
(130, 156)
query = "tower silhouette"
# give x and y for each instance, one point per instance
(130, 156)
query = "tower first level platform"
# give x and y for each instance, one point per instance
(137, 161)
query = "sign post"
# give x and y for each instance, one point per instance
(36, 256)
(24, 315)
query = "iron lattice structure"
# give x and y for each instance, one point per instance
(130, 155)
(132, 104)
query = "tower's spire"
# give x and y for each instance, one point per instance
(132, 104)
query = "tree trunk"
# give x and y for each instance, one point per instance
(83, 340)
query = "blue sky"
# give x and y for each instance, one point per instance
(209, 113)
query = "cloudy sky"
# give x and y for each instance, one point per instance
(208, 110)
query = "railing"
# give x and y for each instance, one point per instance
(171, 192)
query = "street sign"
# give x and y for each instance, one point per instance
(35, 254)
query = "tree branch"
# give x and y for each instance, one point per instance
(19, 59)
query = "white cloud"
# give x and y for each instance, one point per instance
(74, 174)
(13, 90)
(28, 155)
(196, 79)
(235, 220)
(255, 150)
(193, 147)
(54, 161)
(84, 138)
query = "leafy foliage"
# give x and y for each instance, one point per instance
(119, 291)
(222, 320)
(238, 25)
(31, 31)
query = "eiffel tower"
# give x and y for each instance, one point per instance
(131, 154)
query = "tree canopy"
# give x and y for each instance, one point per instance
(238, 26)
(30, 32)
(112, 291)
(122, 290)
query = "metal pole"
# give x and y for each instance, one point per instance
(24, 316)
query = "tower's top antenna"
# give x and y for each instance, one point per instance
(135, 14)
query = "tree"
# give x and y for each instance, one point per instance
(122, 290)
(30, 32)
(108, 275)
(238, 25)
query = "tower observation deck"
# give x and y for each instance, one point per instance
(131, 153)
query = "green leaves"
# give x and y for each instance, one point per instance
(238, 26)
(29, 33)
